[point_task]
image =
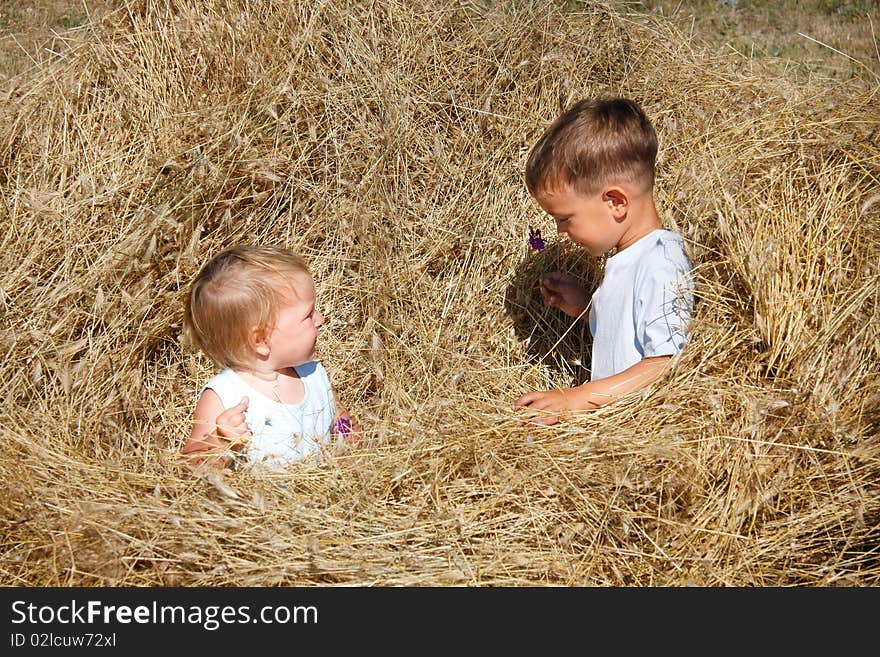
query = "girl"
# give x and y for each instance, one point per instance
(252, 311)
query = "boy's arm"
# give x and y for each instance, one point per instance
(565, 292)
(594, 393)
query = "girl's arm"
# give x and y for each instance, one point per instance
(214, 428)
(343, 421)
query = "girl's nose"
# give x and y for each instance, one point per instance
(319, 318)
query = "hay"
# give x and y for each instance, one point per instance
(386, 143)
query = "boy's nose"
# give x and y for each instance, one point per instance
(319, 318)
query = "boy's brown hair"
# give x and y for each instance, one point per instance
(237, 290)
(593, 143)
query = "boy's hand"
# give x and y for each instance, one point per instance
(231, 425)
(541, 403)
(563, 291)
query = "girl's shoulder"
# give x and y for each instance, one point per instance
(223, 377)
(314, 371)
(316, 381)
(226, 384)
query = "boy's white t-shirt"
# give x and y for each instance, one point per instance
(282, 433)
(644, 304)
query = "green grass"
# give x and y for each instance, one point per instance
(832, 38)
(28, 26)
(799, 37)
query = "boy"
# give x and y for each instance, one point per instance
(593, 172)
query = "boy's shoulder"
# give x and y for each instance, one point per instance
(661, 260)
(667, 236)
(666, 248)
(658, 248)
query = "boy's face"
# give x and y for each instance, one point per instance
(586, 220)
(292, 341)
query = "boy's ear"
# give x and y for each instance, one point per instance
(617, 201)
(259, 341)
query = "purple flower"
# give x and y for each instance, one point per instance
(342, 426)
(535, 239)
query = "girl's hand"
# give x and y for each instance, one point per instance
(347, 427)
(232, 427)
(563, 291)
(215, 431)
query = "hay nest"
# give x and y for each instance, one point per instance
(387, 145)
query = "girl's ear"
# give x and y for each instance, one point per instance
(260, 341)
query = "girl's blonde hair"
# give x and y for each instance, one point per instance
(236, 291)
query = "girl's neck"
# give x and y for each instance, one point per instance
(283, 386)
(269, 376)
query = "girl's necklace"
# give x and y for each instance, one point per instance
(274, 381)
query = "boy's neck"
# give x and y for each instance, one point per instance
(642, 218)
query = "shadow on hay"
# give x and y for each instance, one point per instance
(562, 343)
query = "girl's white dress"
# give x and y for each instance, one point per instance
(282, 433)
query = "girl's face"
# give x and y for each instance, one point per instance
(293, 338)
